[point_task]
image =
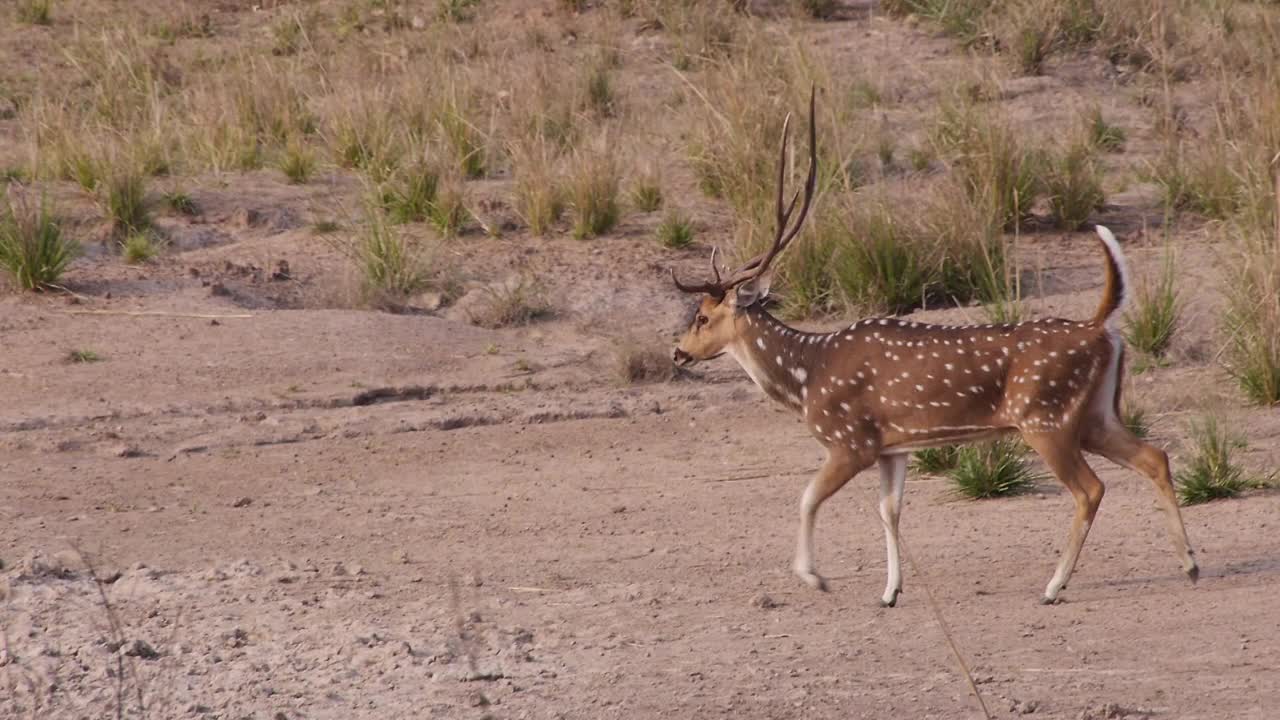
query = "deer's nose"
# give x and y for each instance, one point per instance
(681, 358)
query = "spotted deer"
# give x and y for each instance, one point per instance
(884, 387)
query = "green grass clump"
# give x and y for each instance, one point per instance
(82, 169)
(449, 211)
(959, 18)
(391, 263)
(139, 247)
(458, 116)
(33, 248)
(676, 230)
(1134, 417)
(882, 266)
(1211, 473)
(1101, 134)
(297, 162)
(936, 461)
(646, 196)
(83, 356)
(325, 227)
(817, 9)
(181, 203)
(412, 194)
(456, 11)
(1157, 308)
(124, 195)
(601, 97)
(35, 12)
(993, 469)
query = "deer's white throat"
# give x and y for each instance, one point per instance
(774, 356)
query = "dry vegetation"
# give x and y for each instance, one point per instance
(924, 185)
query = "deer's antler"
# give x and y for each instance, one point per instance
(786, 230)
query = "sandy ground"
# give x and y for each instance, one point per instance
(551, 545)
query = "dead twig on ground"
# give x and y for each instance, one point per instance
(155, 313)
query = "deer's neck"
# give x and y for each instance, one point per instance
(778, 358)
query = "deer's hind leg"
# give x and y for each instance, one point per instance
(1112, 440)
(1061, 452)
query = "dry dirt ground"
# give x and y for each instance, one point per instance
(301, 510)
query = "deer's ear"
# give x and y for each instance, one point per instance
(754, 290)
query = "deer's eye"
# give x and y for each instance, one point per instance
(700, 320)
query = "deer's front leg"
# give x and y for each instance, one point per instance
(893, 480)
(841, 465)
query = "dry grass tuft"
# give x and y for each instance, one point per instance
(594, 187)
(1157, 308)
(517, 303)
(539, 197)
(1252, 317)
(297, 162)
(1073, 183)
(635, 361)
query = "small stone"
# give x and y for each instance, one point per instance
(246, 218)
(282, 271)
(140, 649)
(764, 602)
(67, 561)
(242, 502)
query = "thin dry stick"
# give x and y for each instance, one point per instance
(946, 631)
(154, 313)
(117, 632)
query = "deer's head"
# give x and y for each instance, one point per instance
(714, 324)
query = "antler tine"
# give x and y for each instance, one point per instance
(810, 182)
(760, 263)
(715, 269)
(783, 215)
